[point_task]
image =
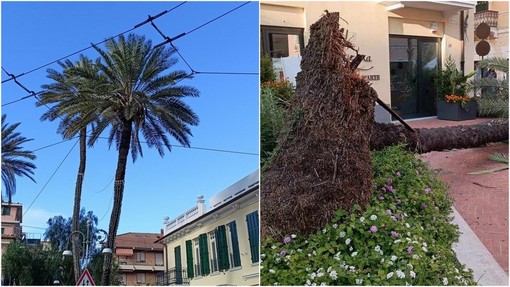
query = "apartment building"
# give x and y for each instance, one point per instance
(139, 258)
(218, 245)
(11, 223)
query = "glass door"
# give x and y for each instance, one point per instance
(413, 63)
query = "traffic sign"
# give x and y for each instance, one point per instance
(85, 279)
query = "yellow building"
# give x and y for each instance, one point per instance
(405, 43)
(218, 245)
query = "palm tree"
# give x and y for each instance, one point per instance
(494, 100)
(67, 94)
(15, 160)
(140, 100)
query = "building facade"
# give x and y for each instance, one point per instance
(405, 43)
(218, 245)
(139, 258)
(11, 223)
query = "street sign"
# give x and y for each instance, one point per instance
(85, 279)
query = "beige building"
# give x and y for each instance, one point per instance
(139, 258)
(218, 245)
(405, 43)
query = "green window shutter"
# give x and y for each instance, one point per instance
(221, 241)
(189, 258)
(178, 265)
(252, 220)
(204, 254)
(235, 244)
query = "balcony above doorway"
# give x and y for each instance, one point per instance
(447, 7)
(488, 17)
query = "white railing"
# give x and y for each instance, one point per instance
(182, 219)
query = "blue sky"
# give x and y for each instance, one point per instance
(36, 33)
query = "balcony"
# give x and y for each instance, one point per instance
(174, 276)
(489, 17)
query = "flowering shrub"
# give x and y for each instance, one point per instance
(282, 88)
(403, 237)
(456, 99)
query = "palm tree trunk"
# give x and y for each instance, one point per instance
(124, 147)
(437, 139)
(77, 203)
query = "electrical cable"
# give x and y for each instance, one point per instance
(92, 45)
(51, 177)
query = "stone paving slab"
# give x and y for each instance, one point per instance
(482, 200)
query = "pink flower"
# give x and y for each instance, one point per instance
(399, 201)
(427, 190)
(389, 181)
(283, 253)
(424, 205)
(410, 250)
(394, 234)
(388, 212)
(381, 198)
(287, 240)
(398, 174)
(373, 229)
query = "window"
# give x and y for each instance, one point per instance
(252, 221)
(482, 6)
(3, 229)
(196, 248)
(281, 42)
(140, 277)
(140, 256)
(214, 252)
(6, 210)
(233, 245)
(159, 259)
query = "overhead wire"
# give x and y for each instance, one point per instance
(98, 43)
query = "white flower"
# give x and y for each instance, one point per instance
(359, 281)
(333, 275)
(373, 217)
(313, 275)
(407, 225)
(351, 249)
(262, 255)
(362, 219)
(342, 234)
(390, 263)
(275, 284)
(322, 284)
(308, 283)
(397, 241)
(381, 252)
(293, 235)
(393, 258)
(278, 260)
(410, 266)
(377, 248)
(314, 253)
(424, 248)
(400, 274)
(456, 270)
(412, 274)
(299, 250)
(273, 247)
(408, 239)
(320, 274)
(337, 256)
(324, 230)
(306, 241)
(347, 241)
(382, 260)
(354, 254)
(389, 275)
(288, 257)
(272, 271)
(445, 281)
(425, 244)
(416, 256)
(352, 268)
(335, 225)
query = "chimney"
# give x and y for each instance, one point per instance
(201, 205)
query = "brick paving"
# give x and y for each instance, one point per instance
(482, 200)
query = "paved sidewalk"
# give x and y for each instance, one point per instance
(482, 200)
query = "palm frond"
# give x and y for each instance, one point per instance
(493, 107)
(498, 63)
(499, 157)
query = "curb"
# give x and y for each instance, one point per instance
(473, 253)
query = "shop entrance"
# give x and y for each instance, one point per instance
(413, 63)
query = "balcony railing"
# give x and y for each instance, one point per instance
(174, 276)
(489, 17)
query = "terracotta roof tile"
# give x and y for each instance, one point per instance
(138, 241)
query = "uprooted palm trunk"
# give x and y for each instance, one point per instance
(437, 139)
(324, 161)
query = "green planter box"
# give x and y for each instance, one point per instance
(455, 112)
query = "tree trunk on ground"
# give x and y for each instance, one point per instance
(120, 174)
(437, 139)
(324, 163)
(77, 203)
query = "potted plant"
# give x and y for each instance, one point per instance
(452, 102)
